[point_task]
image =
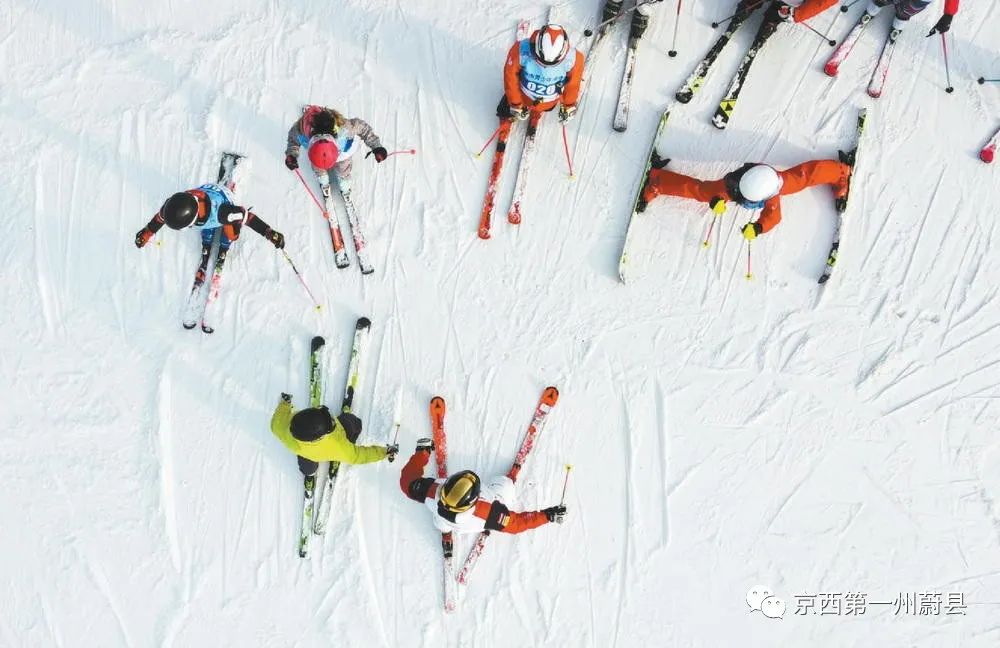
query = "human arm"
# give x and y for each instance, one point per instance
(499, 518)
(293, 143)
(571, 92)
(411, 477)
(257, 224)
(512, 78)
(770, 216)
(146, 233)
(811, 8)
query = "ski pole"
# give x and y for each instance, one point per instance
(488, 142)
(569, 159)
(983, 80)
(844, 8)
(749, 8)
(311, 194)
(749, 274)
(829, 41)
(301, 280)
(708, 235)
(562, 500)
(389, 155)
(590, 30)
(947, 69)
(677, 21)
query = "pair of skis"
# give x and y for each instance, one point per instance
(881, 72)
(613, 10)
(524, 164)
(199, 309)
(452, 581)
(316, 511)
(336, 236)
(696, 80)
(850, 158)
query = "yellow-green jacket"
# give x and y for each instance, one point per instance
(334, 446)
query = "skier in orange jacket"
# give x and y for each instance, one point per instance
(542, 71)
(904, 10)
(462, 505)
(754, 186)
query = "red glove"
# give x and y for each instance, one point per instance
(142, 237)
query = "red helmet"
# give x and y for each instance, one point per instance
(323, 151)
(551, 44)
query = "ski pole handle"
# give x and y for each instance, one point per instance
(562, 499)
(301, 280)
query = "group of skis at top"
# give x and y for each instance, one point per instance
(331, 140)
(461, 503)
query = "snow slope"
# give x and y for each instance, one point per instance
(724, 433)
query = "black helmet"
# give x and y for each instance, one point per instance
(310, 424)
(352, 426)
(460, 492)
(180, 210)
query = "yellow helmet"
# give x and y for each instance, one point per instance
(460, 492)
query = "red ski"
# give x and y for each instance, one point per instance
(990, 150)
(545, 404)
(437, 411)
(833, 64)
(486, 217)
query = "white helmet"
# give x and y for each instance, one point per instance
(551, 44)
(760, 183)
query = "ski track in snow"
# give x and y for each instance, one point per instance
(723, 432)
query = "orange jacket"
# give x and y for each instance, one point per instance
(512, 81)
(810, 8)
(808, 174)
(495, 516)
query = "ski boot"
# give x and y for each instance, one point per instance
(640, 22)
(655, 162)
(612, 8)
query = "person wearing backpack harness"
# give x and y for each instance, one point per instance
(542, 71)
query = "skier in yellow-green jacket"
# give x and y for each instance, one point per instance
(315, 435)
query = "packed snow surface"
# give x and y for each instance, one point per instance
(724, 434)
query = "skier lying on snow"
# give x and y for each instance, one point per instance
(459, 503)
(208, 208)
(314, 435)
(905, 9)
(331, 142)
(539, 75)
(753, 186)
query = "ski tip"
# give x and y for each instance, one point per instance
(189, 325)
(317, 343)
(620, 128)
(484, 234)
(987, 155)
(550, 395)
(363, 323)
(823, 279)
(672, 53)
(437, 405)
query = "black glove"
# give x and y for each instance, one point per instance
(292, 162)
(142, 237)
(276, 238)
(555, 513)
(942, 26)
(286, 397)
(380, 153)
(391, 450)
(425, 444)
